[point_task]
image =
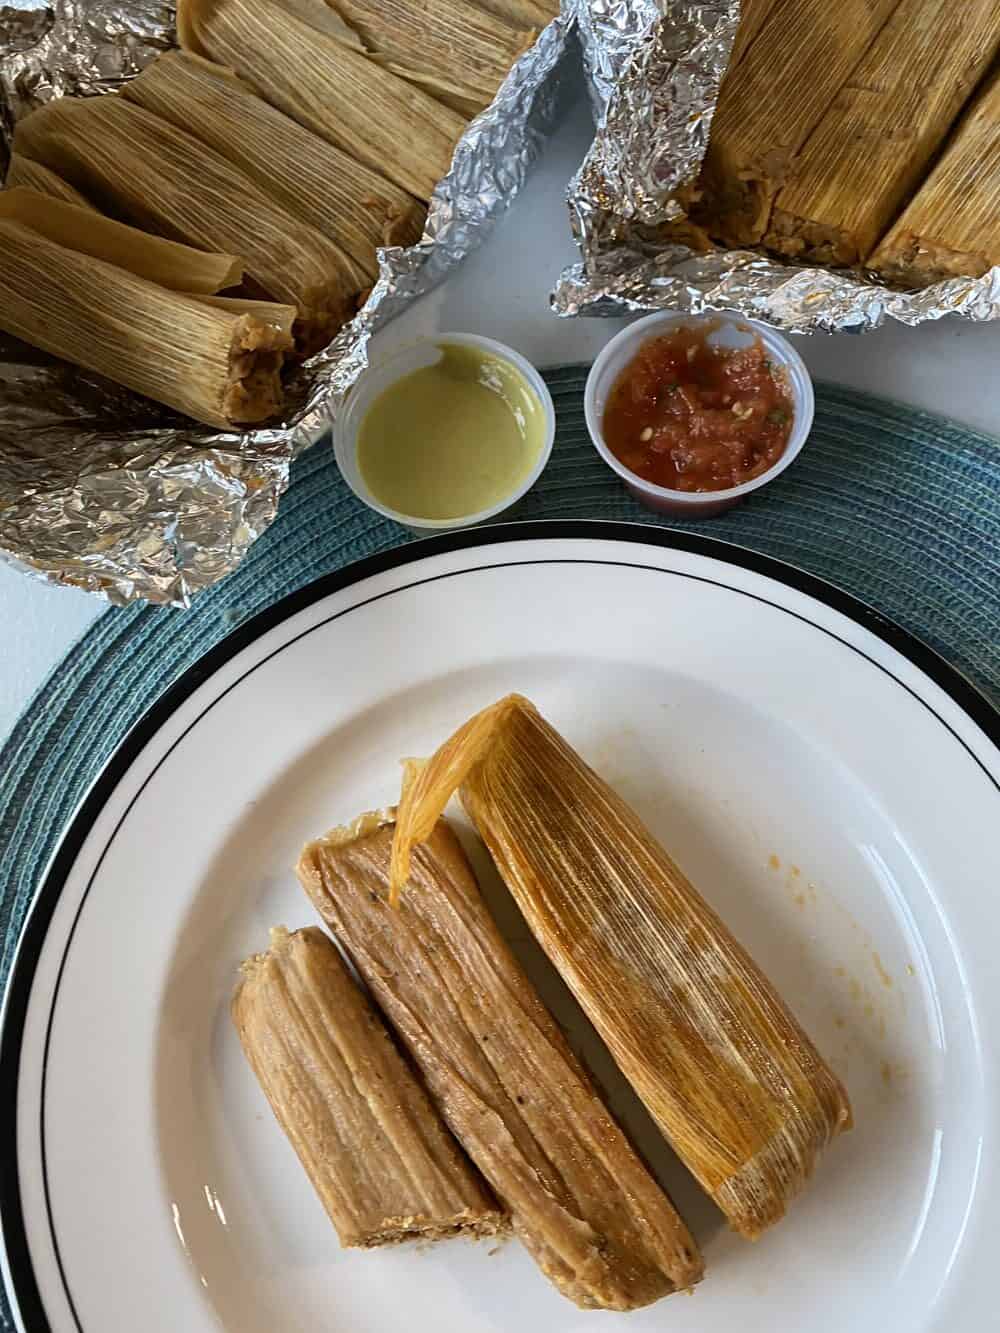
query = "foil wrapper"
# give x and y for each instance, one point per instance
(654, 71)
(105, 491)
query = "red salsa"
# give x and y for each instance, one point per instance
(696, 417)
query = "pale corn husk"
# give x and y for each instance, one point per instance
(459, 52)
(168, 263)
(381, 120)
(871, 148)
(280, 317)
(166, 181)
(375, 1150)
(499, 1068)
(219, 367)
(524, 14)
(349, 203)
(33, 176)
(772, 101)
(721, 1065)
(950, 229)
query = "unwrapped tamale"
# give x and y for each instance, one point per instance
(340, 94)
(729, 1076)
(499, 1068)
(164, 180)
(770, 103)
(33, 176)
(220, 367)
(376, 1151)
(949, 229)
(872, 146)
(168, 263)
(351, 204)
(454, 49)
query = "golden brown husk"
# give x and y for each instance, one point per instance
(350, 204)
(393, 127)
(280, 317)
(168, 263)
(731, 1079)
(33, 176)
(166, 181)
(218, 367)
(375, 1150)
(872, 146)
(753, 15)
(950, 229)
(522, 13)
(499, 1068)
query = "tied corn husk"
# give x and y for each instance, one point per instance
(179, 267)
(377, 1153)
(499, 1068)
(33, 176)
(164, 180)
(772, 101)
(949, 229)
(320, 81)
(220, 367)
(729, 1076)
(350, 204)
(459, 52)
(872, 147)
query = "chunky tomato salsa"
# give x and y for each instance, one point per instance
(692, 416)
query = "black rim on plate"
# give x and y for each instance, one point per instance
(23, 1290)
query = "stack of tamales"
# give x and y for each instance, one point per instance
(829, 119)
(295, 138)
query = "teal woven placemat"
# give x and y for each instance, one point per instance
(898, 507)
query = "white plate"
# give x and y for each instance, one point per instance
(831, 787)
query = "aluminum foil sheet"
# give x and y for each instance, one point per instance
(105, 491)
(654, 71)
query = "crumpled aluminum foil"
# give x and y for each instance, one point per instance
(654, 72)
(105, 491)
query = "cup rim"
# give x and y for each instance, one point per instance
(345, 440)
(772, 339)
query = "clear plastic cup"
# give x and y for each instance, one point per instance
(417, 355)
(733, 331)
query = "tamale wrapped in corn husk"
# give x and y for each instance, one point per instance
(499, 1068)
(770, 103)
(871, 148)
(454, 49)
(381, 120)
(33, 176)
(374, 1148)
(163, 180)
(949, 229)
(168, 263)
(721, 1065)
(349, 203)
(218, 366)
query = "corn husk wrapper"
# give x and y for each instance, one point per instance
(352, 205)
(217, 366)
(33, 176)
(731, 1079)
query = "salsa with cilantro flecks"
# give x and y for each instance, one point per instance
(691, 416)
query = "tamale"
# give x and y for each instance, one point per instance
(871, 147)
(350, 204)
(949, 229)
(499, 1068)
(770, 103)
(388, 124)
(722, 1066)
(168, 263)
(456, 50)
(132, 162)
(217, 366)
(374, 1148)
(33, 176)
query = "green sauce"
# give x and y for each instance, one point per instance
(453, 438)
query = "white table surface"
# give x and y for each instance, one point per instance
(952, 367)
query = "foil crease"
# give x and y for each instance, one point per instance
(103, 490)
(654, 71)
